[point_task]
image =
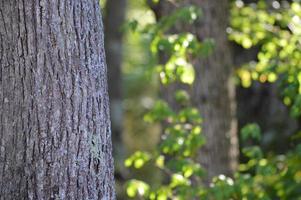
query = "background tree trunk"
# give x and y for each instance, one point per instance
(213, 90)
(55, 138)
(115, 16)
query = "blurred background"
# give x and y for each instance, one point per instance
(205, 98)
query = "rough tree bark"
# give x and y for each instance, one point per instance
(55, 138)
(213, 91)
(114, 19)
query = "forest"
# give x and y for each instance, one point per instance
(150, 99)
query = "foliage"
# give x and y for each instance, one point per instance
(265, 175)
(273, 177)
(178, 46)
(276, 30)
(175, 155)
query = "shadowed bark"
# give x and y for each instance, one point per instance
(55, 138)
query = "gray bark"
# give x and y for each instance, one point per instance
(55, 138)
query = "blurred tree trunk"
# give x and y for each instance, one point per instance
(114, 19)
(213, 91)
(55, 138)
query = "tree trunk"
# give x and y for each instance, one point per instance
(55, 138)
(114, 19)
(213, 90)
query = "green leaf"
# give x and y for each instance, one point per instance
(251, 131)
(137, 188)
(138, 159)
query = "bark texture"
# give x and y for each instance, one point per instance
(55, 138)
(213, 91)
